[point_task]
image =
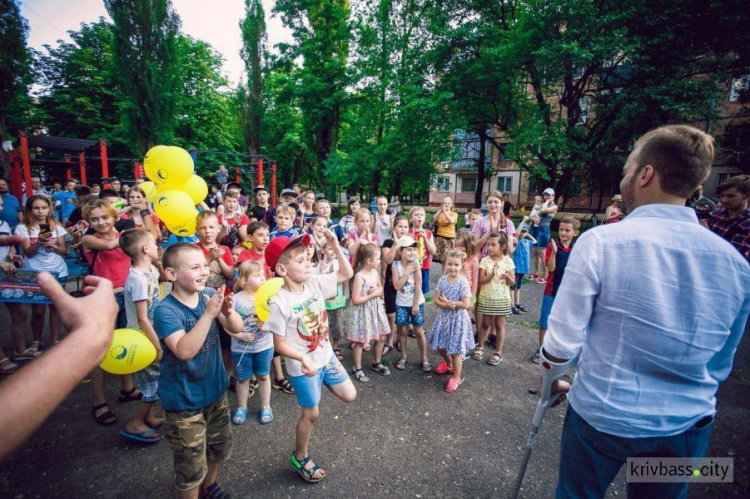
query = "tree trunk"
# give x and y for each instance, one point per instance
(482, 133)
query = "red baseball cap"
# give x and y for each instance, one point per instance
(281, 244)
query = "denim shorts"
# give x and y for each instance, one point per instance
(122, 318)
(519, 282)
(404, 317)
(258, 363)
(308, 389)
(547, 303)
(542, 237)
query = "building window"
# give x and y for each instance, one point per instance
(721, 178)
(505, 184)
(444, 183)
(739, 89)
(469, 184)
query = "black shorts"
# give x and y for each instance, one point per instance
(389, 296)
(224, 339)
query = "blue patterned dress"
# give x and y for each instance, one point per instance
(452, 328)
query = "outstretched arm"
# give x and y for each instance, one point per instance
(30, 396)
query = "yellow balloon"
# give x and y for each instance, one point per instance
(264, 295)
(168, 166)
(149, 161)
(174, 207)
(186, 228)
(129, 352)
(150, 190)
(196, 188)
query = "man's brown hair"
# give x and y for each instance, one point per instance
(739, 182)
(680, 154)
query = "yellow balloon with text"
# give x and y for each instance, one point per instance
(169, 166)
(196, 188)
(266, 292)
(186, 228)
(129, 352)
(174, 207)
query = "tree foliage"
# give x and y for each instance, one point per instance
(254, 41)
(145, 53)
(15, 74)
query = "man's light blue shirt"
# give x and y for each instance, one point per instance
(658, 304)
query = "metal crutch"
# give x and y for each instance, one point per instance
(551, 371)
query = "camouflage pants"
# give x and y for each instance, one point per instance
(197, 436)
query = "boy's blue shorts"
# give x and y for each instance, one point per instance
(258, 363)
(547, 303)
(404, 317)
(308, 389)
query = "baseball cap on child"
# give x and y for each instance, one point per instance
(406, 242)
(281, 244)
(260, 187)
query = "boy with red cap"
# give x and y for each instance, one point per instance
(299, 322)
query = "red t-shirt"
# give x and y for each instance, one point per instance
(110, 264)
(244, 220)
(216, 279)
(427, 259)
(250, 255)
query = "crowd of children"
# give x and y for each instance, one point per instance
(365, 278)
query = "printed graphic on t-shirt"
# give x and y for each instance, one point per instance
(312, 326)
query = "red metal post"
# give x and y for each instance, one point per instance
(16, 176)
(105, 164)
(273, 184)
(237, 174)
(82, 164)
(26, 163)
(68, 173)
(260, 171)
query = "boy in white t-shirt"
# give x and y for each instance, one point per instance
(299, 321)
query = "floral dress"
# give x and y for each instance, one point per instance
(451, 330)
(368, 321)
(494, 297)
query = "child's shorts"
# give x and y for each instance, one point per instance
(519, 282)
(122, 318)
(308, 389)
(389, 297)
(425, 281)
(197, 436)
(404, 317)
(258, 363)
(547, 303)
(147, 382)
(336, 323)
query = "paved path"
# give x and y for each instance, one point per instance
(402, 436)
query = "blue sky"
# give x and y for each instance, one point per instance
(214, 22)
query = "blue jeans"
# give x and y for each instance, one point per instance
(591, 459)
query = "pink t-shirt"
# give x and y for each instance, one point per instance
(482, 226)
(468, 270)
(111, 264)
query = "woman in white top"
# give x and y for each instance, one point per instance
(44, 248)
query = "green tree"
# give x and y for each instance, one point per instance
(145, 54)
(321, 38)
(254, 40)
(79, 97)
(15, 74)
(205, 118)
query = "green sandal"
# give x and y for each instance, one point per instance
(307, 475)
